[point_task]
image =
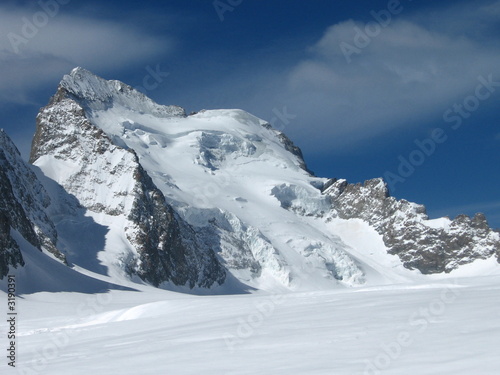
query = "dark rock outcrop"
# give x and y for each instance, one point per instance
(426, 245)
(290, 147)
(23, 201)
(168, 248)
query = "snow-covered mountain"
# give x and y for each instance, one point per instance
(130, 219)
(219, 199)
(125, 195)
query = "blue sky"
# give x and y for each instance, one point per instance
(404, 89)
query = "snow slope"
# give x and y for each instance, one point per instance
(444, 327)
(42, 273)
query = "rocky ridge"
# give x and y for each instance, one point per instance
(23, 204)
(431, 246)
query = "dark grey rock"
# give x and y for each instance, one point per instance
(168, 247)
(23, 201)
(290, 147)
(406, 231)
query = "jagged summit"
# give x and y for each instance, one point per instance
(109, 182)
(431, 246)
(96, 93)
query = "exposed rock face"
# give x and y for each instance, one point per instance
(290, 147)
(11, 214)
(108, 179)
(168, 247)
(23, 201)
(430, 246)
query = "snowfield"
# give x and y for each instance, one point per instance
(448, 325)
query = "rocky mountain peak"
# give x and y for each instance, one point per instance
(109, 182)
(216, 197)
(95, 93)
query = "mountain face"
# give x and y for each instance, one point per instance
(110, 183)
(219, 197)
(23, 201)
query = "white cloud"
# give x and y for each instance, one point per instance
(412, 71)
(31, 56)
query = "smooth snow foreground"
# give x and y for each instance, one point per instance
(445, 326)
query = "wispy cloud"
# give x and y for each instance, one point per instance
(413, 70)
(29, 59)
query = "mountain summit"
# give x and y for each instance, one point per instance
(220, 199)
